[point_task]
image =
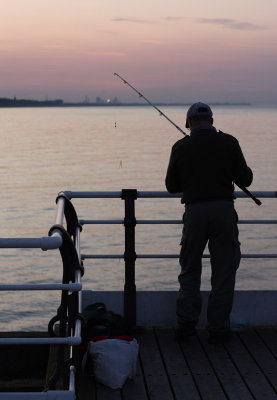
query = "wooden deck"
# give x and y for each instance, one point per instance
(244, 368)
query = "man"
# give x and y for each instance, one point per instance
(204, 166)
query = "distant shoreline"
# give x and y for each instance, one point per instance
(17, 103)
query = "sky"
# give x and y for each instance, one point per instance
(170, 50)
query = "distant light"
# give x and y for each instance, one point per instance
(108, 100)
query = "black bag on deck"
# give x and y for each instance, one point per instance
(98, 321)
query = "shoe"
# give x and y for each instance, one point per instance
(184, 332)
(219, 337)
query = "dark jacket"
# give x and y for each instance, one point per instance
(204, 166)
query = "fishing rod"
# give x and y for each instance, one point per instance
(151, 104)
(246, 191)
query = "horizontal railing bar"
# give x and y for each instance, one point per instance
(164, 194)
(50, 394)
(204, 256)
(120, 256)
(45, 243)
(163, 221)
(257, 221)
(72, 287)
(107, 256)
(179, 221)
(92, 195)
(101, 221)
(152, 194)
(70, 341)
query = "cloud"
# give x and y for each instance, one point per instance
(231, 24)
(154, 42)
(104, 53)
(173, 18)
(107, 32)
(263, 46)
(56, 46)
(134, 20)
(6, 47)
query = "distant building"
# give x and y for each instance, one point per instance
(115, 101)
(99, 100)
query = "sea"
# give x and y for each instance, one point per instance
(48, 150)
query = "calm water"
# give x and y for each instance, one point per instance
(45, 151)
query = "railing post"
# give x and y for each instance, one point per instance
(129, 196)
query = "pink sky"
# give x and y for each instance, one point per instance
(172, 51)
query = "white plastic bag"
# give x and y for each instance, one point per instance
(113, 361)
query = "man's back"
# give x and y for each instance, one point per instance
(205, 165)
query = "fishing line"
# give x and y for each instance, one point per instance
(257, 201)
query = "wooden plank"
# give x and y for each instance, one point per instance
(134, 389)
(158, 386)
(226, 372)
(106, 393)
(269, 336)
(88, 389)
(178, 372)
(264, 358)
(207, 383)
(249, 370)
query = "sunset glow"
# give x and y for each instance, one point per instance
(174, 51)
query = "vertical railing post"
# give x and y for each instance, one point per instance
(129, 196)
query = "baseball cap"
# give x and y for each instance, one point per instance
(197, 110)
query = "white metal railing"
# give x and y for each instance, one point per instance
(129, 221)
(49, 395)
(150, 194)
(56, 240)
(154, 195)
(71, 287)
(44, 243)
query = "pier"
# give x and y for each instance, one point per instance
(243, 368)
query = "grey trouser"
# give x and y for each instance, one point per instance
(215, 223)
